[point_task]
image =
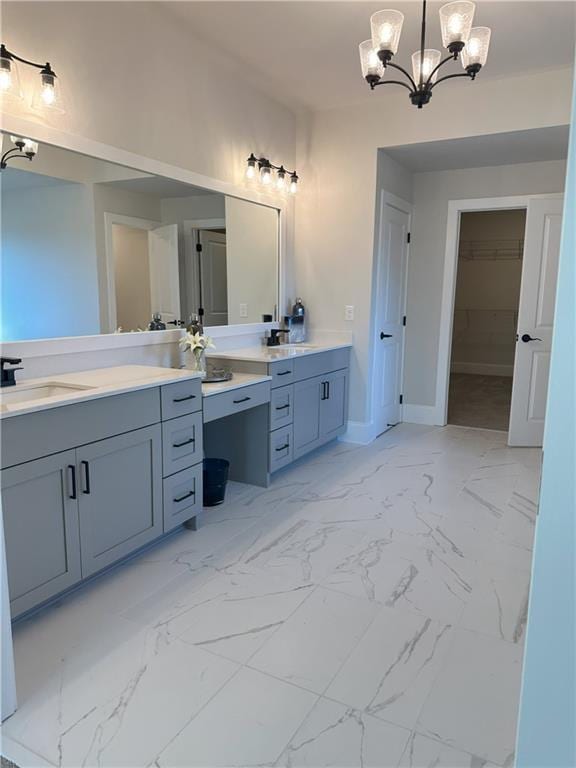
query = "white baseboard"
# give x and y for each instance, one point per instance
(483, 369)
(362, 432)
(421, 414)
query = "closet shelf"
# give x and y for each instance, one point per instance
(491, 250)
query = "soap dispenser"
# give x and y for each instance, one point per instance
(297, 323)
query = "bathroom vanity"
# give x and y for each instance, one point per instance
(95, 465)
(309, 394)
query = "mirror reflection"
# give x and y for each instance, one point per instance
(92, 247)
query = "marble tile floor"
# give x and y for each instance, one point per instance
(368, 609)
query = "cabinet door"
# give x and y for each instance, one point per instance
(41, 529)
(306, 419)
(119, 496)
(333, 406)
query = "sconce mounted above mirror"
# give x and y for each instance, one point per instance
(46, 95)
(25, 148)
(265, 169)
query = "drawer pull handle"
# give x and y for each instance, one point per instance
(282, 407)
(182, 498)
(283, 448)
(185, 442)
(86, 467)
(183, 399)
(72, 469)
(242, 400)
(283, 373)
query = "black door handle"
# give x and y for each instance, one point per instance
(86, 477)
(72, 469)
(183, 399)
(283, 373)
(242, 400)
(385, 335)
(282, 407)
(526, 337)
(323, 395)
(282, 447)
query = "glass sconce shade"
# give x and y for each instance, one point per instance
(386, 28)
(47, 93)
(431, 59)
(265, 174)
(281, 178)
(27, 146)
(251, 167)
(456, 21)
(293, 183)
(475, 51)
(9, 80)
(369, 61)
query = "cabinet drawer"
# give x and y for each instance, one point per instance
(281, 407)
(280, 448)
(181, 443)
(320, 364)
(282, 373)
(182, 496)
(181, 398)
(236, 400)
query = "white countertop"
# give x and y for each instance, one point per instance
(265, 354)
(237, 381)
(91, 385)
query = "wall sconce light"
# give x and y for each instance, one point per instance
(47, 94)
(25, 148)
(267, 171)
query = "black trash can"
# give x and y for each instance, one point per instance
(215, 479)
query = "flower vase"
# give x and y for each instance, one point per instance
(198, 361)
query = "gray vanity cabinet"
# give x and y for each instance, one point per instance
(333, 404)
(119, 495)
(307, 429)
(41, 529)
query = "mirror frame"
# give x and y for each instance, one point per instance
(44, 134)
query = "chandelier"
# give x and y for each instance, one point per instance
(459, 37)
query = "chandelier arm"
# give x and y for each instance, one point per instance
(393, 82)
(10, 154)
(437, 67)
(404, 72)
(449, 77)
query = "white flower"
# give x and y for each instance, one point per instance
(196, 342)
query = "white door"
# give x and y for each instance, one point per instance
(390, 302)
(164, 280)
(535, 321)
(213, 277)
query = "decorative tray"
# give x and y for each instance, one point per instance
(216, 377)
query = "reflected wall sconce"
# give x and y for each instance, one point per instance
(23, 148)
(268, 174)
(46, 94)
(459, 37)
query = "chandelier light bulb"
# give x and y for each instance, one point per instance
(281, 178)
(371, 65)
(456, 22)
(475, 51)
(250, 172)
(265, 174)
(431, 60)
(48, 94)
(386, 27)
(293, 183)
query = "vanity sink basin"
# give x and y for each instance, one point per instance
(23, 393)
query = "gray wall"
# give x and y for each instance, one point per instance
(432, 192)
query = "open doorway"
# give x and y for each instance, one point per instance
(488, 283)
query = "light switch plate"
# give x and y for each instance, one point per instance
(349, 312)
(243, 310)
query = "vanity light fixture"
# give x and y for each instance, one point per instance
(458, 37)
(267, 171)
(47, 88)
(25, 148)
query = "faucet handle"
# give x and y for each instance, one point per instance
(10, 361)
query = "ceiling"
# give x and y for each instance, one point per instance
(306, 53)
(530, 146)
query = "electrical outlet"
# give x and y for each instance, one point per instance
(243, 310)
(349, 312)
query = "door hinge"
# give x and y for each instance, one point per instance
(401, 399)
(199, 247)
(404, 320)
(408, 237)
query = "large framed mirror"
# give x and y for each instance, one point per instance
(92, 247)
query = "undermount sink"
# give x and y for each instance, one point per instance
(292, 349)
(23, 393)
